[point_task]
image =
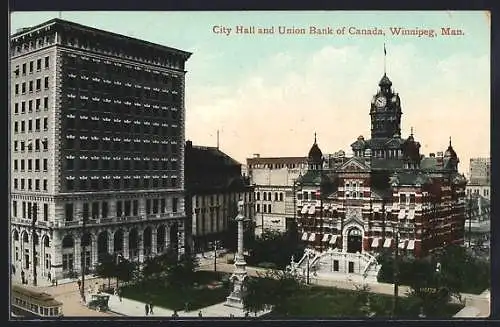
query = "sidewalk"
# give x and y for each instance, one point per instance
(132, 308)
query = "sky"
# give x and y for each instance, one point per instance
(269, 93)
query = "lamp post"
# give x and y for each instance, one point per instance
(33, 222)
(215, 244)
(84, 252)
(470, 217)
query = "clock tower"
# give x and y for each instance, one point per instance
(385, 112)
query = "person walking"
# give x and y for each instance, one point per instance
(199, 314)
(79, 282)
(49, 277)
(22, 276)
(175, 314)
(150, 308)
(146, 308)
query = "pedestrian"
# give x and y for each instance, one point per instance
(79, 282)
(146, 307)
(56, 281)
(199, 314)
(49, 276)
(150, 308)
(120, 294)
(22, 276)
(175, 315)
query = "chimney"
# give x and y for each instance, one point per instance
(432, 155)
(189, 144)
(256, 155)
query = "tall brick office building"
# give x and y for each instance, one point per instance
(97, 135)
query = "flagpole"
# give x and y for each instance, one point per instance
(385, 55)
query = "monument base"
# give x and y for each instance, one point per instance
(235, 302)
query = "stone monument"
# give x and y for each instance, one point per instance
(235, 299)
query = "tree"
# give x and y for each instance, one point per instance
(274, 288)
(106, 268)
(125, 270)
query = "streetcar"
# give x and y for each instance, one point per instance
(30, 303)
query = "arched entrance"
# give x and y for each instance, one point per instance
(160, 239)
(25, 248)
(46, 254)
(133, 244)
(86, 252)
(68, 249)
(118, 241)
(354, 240)
(147, 241)
(102, 245)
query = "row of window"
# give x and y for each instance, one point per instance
(120, 88)
(107, 163)
(486, 192)
(214, 199)
(145, 147)
(123, 106)
(95, 210)
(120, 184)
(36, 105)
(406, 199)
(266, 208)
(267, 196)
(115, 69)
(20, 164)
(39, 144)
(32, 45)
(29, 67)
(27, 184)
(29, 210)
(22, 127)
(21, 88)
(118, 126)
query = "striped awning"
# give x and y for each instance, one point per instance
(401, 214)
(376, 242)
(333, 240)
(304, 236)
(304, 209)
(411, 245)
(325, 238)
(387, 242)
(312, 237)
(411, 214)
(312, 210)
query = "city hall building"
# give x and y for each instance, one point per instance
(386, 195)
(96, 147)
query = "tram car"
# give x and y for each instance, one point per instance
(30, 303)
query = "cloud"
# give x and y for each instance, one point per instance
(275, 109)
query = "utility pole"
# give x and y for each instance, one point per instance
(215, 244)
(84, 252)
(307, 275)
(470, 217)
(33, 222)
(396, 273)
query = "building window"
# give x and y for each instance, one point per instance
(45, 211)
(45, 164)
(67, 261)
(46, 83)
(46, 103)
(402, 199)
(281, 196)
(135, 207)
(257, 208)
(70, 185)
(15, 164)
(174, 204)
(14, 208)
(85, 211)
(38, 65)
(95, 210)
(38, 84)
(37, 184)
(69, 211)
(46, 62)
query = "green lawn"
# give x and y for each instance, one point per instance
(332, 302)
(175, 299)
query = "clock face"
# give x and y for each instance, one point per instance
(380, 102)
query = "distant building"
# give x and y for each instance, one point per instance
(480, 177)
(274, 180)
(97, 127)
(214, 184)
(386, 191)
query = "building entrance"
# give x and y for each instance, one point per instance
(354, 240)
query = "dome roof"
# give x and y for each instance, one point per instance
(385, 81)
(315, 154)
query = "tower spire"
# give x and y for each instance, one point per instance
(217, 139)
(411, 131)
(314, 137)
(450, 140)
